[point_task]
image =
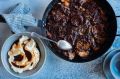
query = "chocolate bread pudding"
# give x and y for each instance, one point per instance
(82, 23)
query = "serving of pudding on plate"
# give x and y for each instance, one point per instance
(24, 54)
(83, 23)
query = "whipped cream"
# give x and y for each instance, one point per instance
(24, 54)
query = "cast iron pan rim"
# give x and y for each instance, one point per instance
(84, 60)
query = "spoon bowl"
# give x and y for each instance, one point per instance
(64, 45)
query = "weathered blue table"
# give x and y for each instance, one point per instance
(54, 67)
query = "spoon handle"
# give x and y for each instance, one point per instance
(40, 36)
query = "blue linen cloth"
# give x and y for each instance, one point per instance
(19, 18)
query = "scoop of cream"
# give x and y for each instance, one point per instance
(24, 55)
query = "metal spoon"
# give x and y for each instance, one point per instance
(62, 44)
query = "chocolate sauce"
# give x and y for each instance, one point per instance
(18, 66)
(28, 54)
(18, 58)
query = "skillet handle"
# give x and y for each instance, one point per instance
(2, 19)
(40, 23)
(118, 35)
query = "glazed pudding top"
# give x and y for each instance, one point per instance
(82, 23)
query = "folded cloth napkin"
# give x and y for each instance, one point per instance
(19, 18)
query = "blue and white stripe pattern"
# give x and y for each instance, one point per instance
(20, 17)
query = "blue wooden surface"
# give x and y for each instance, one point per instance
(118, 25)
(56, 68)
(116, 6)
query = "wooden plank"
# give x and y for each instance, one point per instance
(42, 4)
(40, 7)
(118, 25)
(115, 5)
(6, 4)
(116, 43)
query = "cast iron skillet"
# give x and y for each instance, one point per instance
(112, 31)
